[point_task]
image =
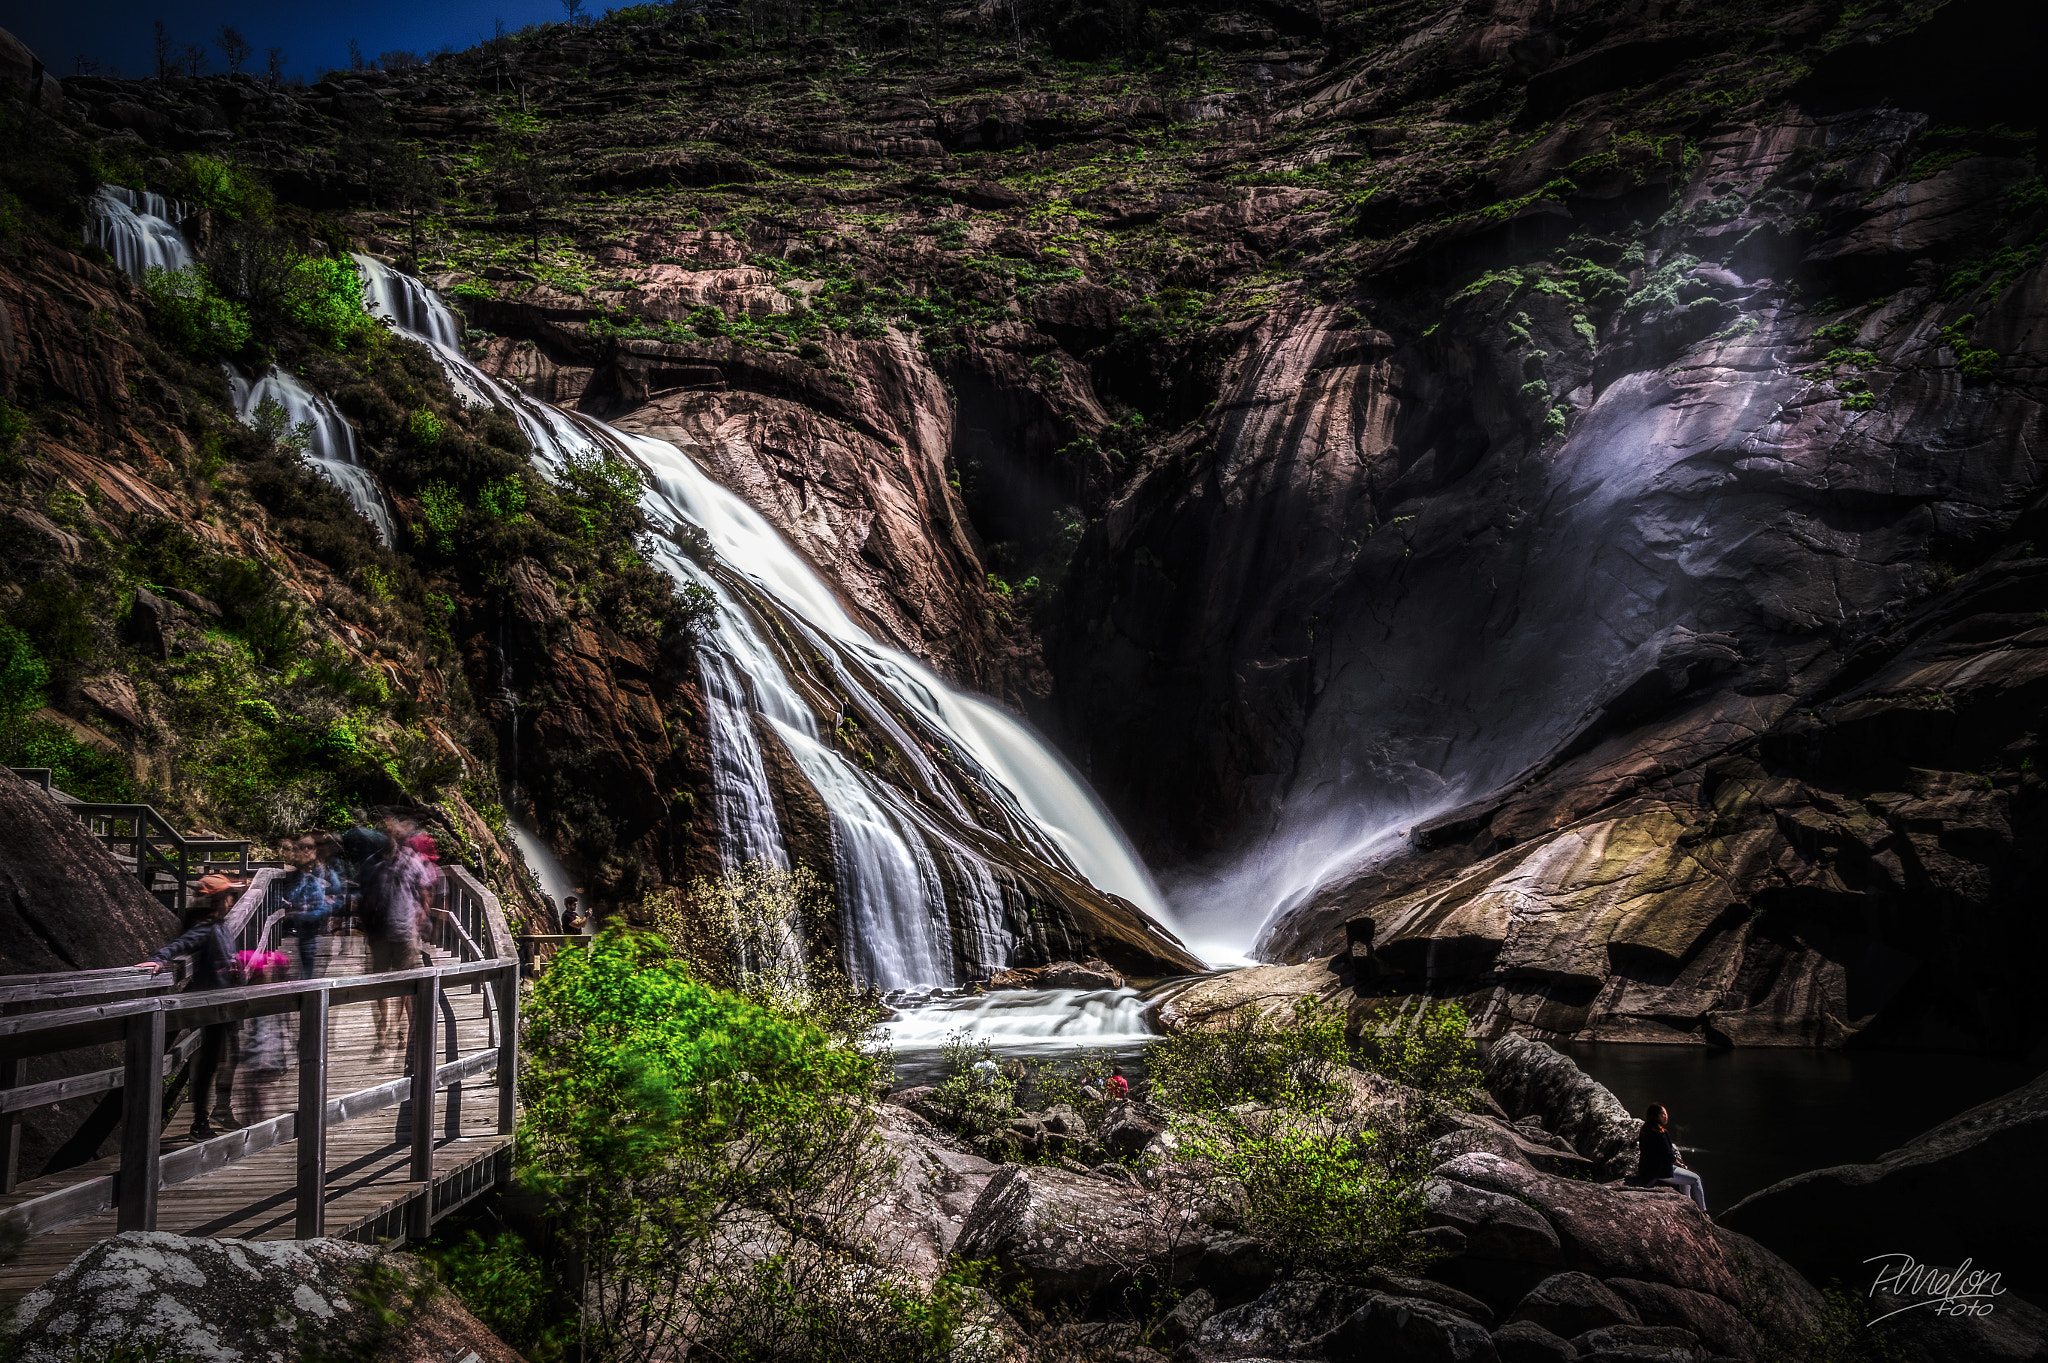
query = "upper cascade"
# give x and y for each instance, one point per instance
(138, 229)
(916, 873)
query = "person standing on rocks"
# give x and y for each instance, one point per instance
(205, 939)
(1658, 1162)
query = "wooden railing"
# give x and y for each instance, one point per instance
(142, 1027)
(154, 844)
(536, 950)
(140, 1012)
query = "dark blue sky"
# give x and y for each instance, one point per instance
(314, 36)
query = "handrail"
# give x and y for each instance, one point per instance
(144, 1025)
(150, 833)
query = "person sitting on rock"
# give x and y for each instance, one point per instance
(1116, 1088)
(1659, 1163)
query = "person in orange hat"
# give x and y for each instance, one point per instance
(205, 939)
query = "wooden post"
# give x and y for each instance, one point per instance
(141, 1121)
(312, 1122)
(420, 1217)
(12, 1075)
(453, 1127)
(508, 1049)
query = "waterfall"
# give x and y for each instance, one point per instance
(137, 229)
(331, 445)
(895, 855)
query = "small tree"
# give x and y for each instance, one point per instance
(165, 51)
(273, 66)
(234, 48)
(355, 55)
(574, 9)
(195, 59)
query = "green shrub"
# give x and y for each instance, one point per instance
(226, 188)
(425, 430)
(442, 506)
(502, 1285)
(23, 675)
(978, 1098)
(504, 500)
(193, 318)
(324, 298)
(708, 1162)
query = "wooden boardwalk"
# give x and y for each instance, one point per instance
(368, 1159)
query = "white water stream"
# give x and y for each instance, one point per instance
(331, 442)
(139, 230)
(922, 906)
(909, 886)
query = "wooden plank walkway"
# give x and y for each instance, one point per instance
(368, 1161)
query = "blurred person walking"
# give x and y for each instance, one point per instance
(393, 895)
(311, 894)
(205, 939)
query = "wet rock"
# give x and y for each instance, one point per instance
(1280, 1324)
(1570, 1304)
(1072, 1235)
(1059, 975)
(1495, 1225)
(1925, 1198)
(1531, 1079)
(1524, 1341)
(1408, 1330)
(245, 1299)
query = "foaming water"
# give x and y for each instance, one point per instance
(920, 905)
(1026, 1019)
(137, 229)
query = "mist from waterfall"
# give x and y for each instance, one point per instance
(914, 896)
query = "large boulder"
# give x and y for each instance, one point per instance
(1408, 1330)
(1280, 1324)
(1532, 1080)
(1059, 975)
(1495, 1225)
(65, 902)
(1071, 1235)
(247, 1300)
(1945, 1196)
(1568, 1304)
(1646, 1236)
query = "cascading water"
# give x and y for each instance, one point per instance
(901, 871)
(138, 229)
(330, 445)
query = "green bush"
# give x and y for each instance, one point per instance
(324, 299)
(707, 1162)
(425, 430)
(978, 1099)
(505, 499)
(191, 316)
(226, 188)
(1315, 1161)
(442, 507)
(23, 675)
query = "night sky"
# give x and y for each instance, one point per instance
(118, 33)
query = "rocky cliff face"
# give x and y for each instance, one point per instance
(1557, 480)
